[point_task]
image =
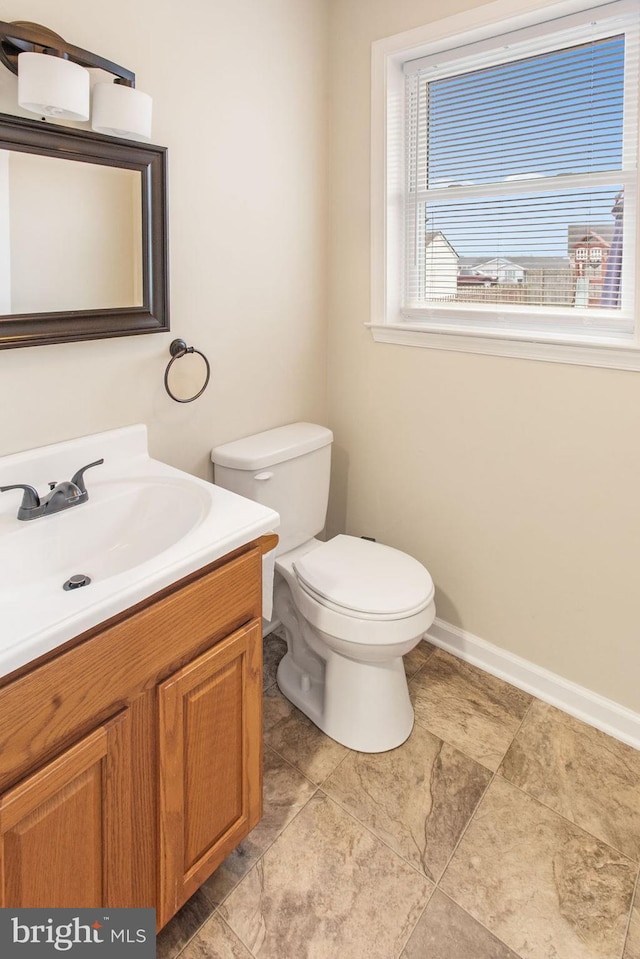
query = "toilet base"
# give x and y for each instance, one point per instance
(364, 706)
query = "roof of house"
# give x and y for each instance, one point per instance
(524, 262)
(499, 263)
(597, 234)
(434, 234)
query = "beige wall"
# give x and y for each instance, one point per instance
(247, 162)
(516, 482)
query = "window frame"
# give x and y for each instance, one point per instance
(501, 337)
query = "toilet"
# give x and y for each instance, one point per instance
(350, 608)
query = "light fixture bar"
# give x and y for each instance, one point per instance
(22, 36)
(53, 80)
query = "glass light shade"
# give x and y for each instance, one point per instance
(53, 87)
(121, 111)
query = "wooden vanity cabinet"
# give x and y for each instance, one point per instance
(130, 761)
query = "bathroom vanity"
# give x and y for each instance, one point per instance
(130, 706)
(130, 762)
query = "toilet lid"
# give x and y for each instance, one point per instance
(365, 577)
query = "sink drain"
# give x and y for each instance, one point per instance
(76, 581)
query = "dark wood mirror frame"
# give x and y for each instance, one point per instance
(38, 329)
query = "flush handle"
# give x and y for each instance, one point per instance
(266, 475)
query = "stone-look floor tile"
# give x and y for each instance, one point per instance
(467, 707)
(285, 792)
(632, 948)
(445, 931)
(297, 739)
(418, 656)
(215, 941)
(183, 926)
(417, 798)
(327, 889)
(273, 649)
(580, 772)
(544, 887)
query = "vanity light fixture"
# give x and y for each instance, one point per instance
(53, 87)
(53, 81)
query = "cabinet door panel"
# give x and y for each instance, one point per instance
(61, 829)
(213, 759)
(210, 762)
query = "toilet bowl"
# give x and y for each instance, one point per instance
(353, 685)
(350, 608)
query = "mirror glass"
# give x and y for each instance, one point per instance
(83, 235)
(70, 235)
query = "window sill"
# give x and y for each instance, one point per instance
(610, 356)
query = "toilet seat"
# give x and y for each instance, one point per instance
(365, 580)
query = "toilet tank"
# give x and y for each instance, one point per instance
(288, 469)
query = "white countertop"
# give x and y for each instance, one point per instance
(145, 526)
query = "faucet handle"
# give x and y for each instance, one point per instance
(30, 498)
(78, 478)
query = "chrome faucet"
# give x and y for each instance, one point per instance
(62, 496)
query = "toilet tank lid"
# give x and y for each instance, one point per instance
(272, 446)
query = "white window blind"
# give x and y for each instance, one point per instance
(521, 179)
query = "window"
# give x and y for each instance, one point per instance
(510, 186)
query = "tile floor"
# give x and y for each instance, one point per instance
(502, 829)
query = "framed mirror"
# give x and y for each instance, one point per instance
(83, 235)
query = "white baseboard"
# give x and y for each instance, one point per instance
(268, 626)
(590, 707)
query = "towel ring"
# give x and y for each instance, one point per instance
(177, 349)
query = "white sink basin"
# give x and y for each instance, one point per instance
(145, 526)
(124, 524)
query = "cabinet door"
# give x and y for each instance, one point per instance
(210, 742)
(65, 836)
